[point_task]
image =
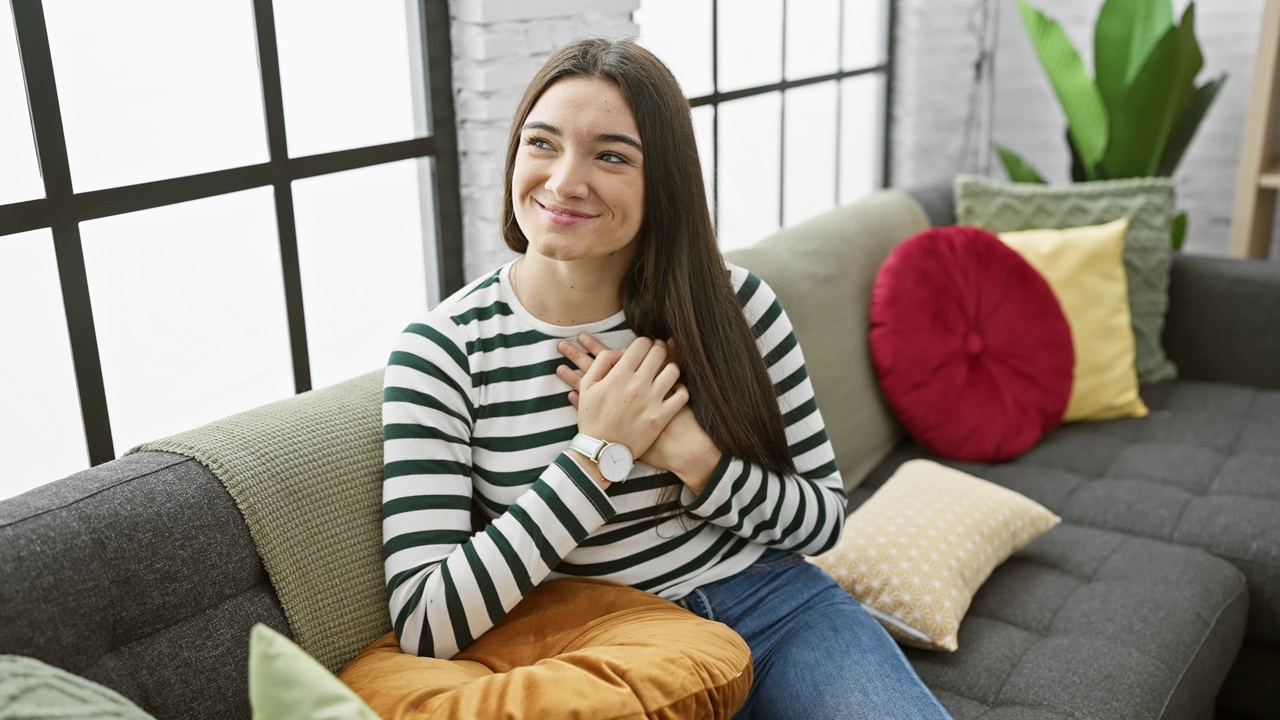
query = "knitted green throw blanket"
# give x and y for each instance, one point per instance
(306, 473)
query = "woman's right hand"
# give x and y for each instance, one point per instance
(629, 396)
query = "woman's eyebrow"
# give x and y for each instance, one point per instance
(601, 138)
(624, 139)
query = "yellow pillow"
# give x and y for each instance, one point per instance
(1085, 268)
(916, 552)
(572, 647)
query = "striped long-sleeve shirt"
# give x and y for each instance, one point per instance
(476, 423)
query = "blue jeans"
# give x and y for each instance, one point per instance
(816, 652)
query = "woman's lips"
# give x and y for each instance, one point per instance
(563, 216)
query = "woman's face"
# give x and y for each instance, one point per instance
(577, 184)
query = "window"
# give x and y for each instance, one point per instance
(790, 101)
(207, 207)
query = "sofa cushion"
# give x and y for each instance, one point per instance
(1083, 266)
(1087, 623)
(822, 272)
(1001, 206)
(970, 345)
(152, 579)
(1202, 470)
(623, 654)
(918, 550)
(285, 683)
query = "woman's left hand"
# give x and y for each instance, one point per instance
(683, 446)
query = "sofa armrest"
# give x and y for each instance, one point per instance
(1223, 323)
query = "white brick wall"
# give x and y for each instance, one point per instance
(498, 45)
(934, 59)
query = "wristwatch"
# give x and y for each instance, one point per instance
(615, 459)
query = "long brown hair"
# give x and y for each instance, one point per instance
(678, 286)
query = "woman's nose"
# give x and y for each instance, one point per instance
(567, 179)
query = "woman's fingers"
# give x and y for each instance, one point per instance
(654, 361)
(666, 378)
(674, 402)
(592, 344)
(570, 378)
(635, 354)
(575, 354)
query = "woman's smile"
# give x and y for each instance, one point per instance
(563, 216)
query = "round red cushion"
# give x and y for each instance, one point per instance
(971, 347)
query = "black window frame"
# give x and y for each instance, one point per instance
(715, 98)
(61, 210)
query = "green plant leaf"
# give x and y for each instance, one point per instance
(1124, 36)
(1081, 102)
(1195, 111)
(1019, 170)
(1143, 122)
(1178, 230)
(1078, 173)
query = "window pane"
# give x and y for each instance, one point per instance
(364, 269)
(865, 27)
(704, 117)
(152, 89)
(189, 305)
(809, 186)
(19, 170)
(41, 435)
(750, 44)
(679, 32)
(344, 73)
(750, 135)
(813, 38)
(861, 135)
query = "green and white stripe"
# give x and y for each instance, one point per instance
(475, 420)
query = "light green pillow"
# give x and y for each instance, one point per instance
(33, 690)
(285, 683)
(822, 272)
(1001, 206)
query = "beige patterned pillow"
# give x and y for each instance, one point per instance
(916, 552)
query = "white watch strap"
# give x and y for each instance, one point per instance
(587, 445)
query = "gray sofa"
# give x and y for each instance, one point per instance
(1158, 595)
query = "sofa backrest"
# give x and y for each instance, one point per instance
(306, 474)
(140, 575)
(823, 271)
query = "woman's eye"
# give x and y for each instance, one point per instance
(612, 158)
(538, 143)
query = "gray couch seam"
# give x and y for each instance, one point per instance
(204, 611)
(1040, 708)
(1242, 587)
(178, 461)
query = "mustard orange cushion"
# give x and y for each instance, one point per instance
(573, 647)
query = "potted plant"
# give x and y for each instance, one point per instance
(1137, 116)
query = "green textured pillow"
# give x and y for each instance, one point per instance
(33, 690)
(285, 683)
(1001, 206)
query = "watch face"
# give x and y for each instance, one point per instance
(616, 462)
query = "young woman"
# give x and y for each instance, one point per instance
(620, 403)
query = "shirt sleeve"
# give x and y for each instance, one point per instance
(446, 583)
(802, 512)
